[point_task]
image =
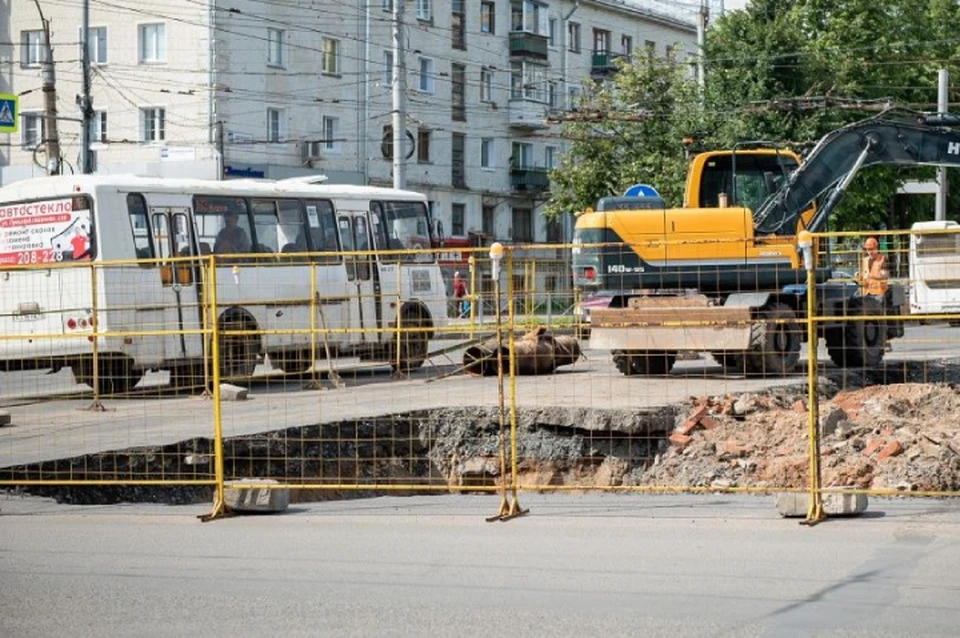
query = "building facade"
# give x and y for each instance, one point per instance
(279, 89)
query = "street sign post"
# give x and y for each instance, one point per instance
(9, 113)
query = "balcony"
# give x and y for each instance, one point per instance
(527, 114)
(603, 64)
(529, 179)
(528, 45)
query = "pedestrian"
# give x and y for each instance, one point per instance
(874, 272)
(460, 294)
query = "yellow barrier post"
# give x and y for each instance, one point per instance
(97, 404)
(815, 511)
(399, 301)
(219, 505)
(472, 260)
(514, 510)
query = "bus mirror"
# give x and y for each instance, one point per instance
(166, 275)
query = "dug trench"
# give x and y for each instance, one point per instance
(893, 429)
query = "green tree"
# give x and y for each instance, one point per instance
(787, 71)
(627, 131)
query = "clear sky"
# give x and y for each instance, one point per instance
(730, 5)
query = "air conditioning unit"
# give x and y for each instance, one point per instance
(311, 151)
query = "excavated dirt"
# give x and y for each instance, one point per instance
(893, 429)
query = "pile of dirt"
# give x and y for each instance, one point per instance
(902, 436)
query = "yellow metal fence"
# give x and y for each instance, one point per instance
(296, 393)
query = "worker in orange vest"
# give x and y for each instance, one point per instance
(874, 272)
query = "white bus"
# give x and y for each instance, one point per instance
(935, 268)
(261, 289)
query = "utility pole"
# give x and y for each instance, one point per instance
(399, 98)
(943, 102)
(702, 16)
(84, 100)
(49, 87)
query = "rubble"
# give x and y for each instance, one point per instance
(902, 436)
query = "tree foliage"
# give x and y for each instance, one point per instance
(787, 71)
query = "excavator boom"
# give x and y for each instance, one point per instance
(895, 137)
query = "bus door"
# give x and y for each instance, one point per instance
(169, 294)
(364, 306)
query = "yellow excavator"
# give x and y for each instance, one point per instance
(724, 273)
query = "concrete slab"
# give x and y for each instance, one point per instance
(792, 504)
(255, 499)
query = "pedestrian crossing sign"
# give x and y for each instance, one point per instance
(8, 113)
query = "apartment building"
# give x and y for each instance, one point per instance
(250, 89)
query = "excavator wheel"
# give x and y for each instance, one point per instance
(779, 350)
(647, 363)
(859, 343)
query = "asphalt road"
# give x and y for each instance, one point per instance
(591, 565)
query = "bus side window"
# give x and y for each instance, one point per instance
(140, 227)
(322, 223)
(379, 224)
(266, 223)
(346, 240)
(363, 244)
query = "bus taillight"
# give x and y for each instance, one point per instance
(590, 273)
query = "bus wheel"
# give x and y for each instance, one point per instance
(238, 352)
(413, 343)
(115, 375)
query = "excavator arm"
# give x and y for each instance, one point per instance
(895, 136)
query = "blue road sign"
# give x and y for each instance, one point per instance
(9, 115)
(641, 190)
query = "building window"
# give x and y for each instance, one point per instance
(458, 81)
(388, 68)
(33, 51)
(96, 44)
(522, 224)
(98, 132)
(552, 33)
(276, 125)
(487, 221)
(552, 95)
(550, 157)
(486, 85)
(651, 48)
(486, 152)
(573, 37)
(458, 212)
(573, 97)
(153, 42)
(458, 25)
(528, 81)
(331, 130)
(423, 146)
(530, 17)
(386, 5)
(330, 63)
(488, 15)
(153, 124)
(626, 45)
(521, 156)
(425, 10)
(458, 173)
(554, 234)
(601, 41)
(425, 76)
(276, 55)
(31, 129)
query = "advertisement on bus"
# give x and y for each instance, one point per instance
(43, 232)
